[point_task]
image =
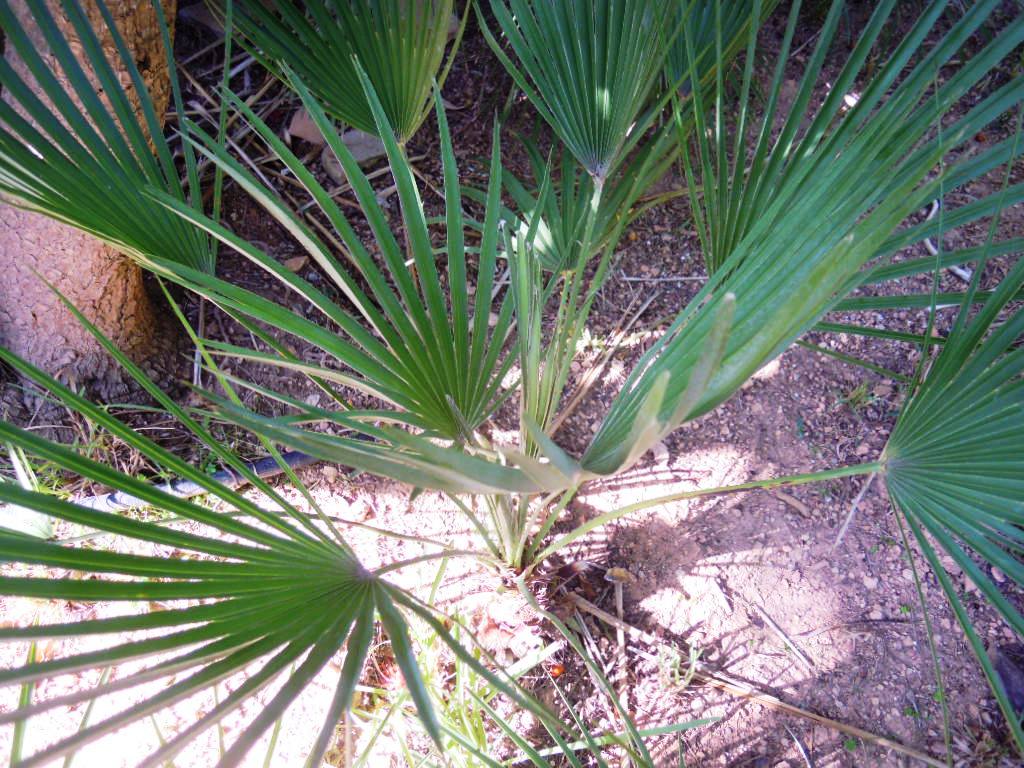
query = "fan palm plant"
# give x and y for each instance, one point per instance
(400, 44)
(87, 160)
(820, 203)
(260, 597)
(784, 274)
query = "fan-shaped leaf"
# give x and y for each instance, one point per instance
(279, 601)
(85, 160)
(399, 43)
(954, 464)
(432, 356)
(588, 67)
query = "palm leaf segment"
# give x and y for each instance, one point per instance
(437, 360)
(707, 26)
(86, 160)
(588, 67)
(954, 465)
(400, 44)
(260, 601)
(741, 170)
(559, 235)
(838, 202)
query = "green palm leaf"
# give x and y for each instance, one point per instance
(413, 339)
(825, 215)
(434, 361)
(86, 160)
(740, 184)
(622, 198)
(715, 32)
(954, 464)
(400, 44)
(251, 587)
(589, 68)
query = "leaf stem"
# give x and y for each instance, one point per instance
(801, 479)
(432, 556)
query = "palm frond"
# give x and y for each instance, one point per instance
(433, 362)
(624, 195)
(954, 464)
(741, 184)
(84, 160)
(400, 44)
(589, 68)
(820, 213)
(436, 358)
(258, 596)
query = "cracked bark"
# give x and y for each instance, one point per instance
(106, 286)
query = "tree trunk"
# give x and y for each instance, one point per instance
(106, 286)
